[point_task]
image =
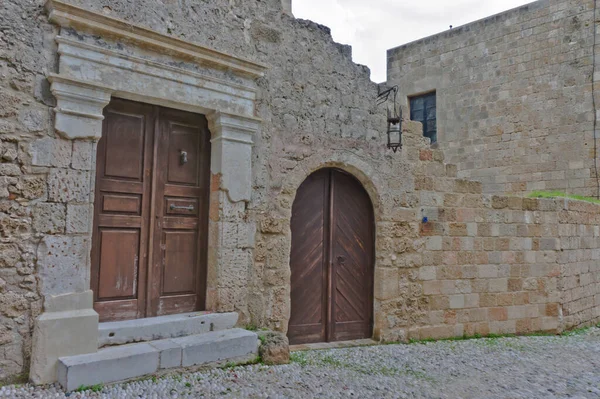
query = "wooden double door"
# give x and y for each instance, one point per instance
(332, 260)
(150, 212)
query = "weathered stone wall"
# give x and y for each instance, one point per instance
(514, 96)
(496, 264)
(32, 204)
(482, 263)
(579, 263)
(313, 95)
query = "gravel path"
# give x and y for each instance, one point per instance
(525, 367)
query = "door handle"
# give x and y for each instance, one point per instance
(341, 260)
(182, 208)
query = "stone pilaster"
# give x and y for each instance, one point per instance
(231, 163)
(69, 324)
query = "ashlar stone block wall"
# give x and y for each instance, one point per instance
(578, 258)
(483, 263)
(514, 96)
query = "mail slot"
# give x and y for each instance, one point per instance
(178, 206)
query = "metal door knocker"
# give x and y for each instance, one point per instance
(183, 159)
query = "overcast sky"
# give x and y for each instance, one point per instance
(373, 26)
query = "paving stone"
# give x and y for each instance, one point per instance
(497, 368)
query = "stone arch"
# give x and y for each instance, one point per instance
(365, 174)
(360, 170)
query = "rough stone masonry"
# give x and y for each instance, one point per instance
(481, 264)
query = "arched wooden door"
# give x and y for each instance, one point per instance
(332, 260)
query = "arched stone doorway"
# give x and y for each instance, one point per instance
(331, 260)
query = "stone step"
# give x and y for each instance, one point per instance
(119, 363)
(162, 327)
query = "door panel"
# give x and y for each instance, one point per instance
(114, 203)
(121, 211)
(352, 258)
(151, 212)
(179, 265)
(308, 261)
(331, 260)
(184, 146)
(119, 251)
(181, 214)
(181, 206)
(124, 140)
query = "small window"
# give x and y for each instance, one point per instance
(423, 109)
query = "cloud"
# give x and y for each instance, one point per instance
(372, 27)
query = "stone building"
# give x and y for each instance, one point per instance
(165, 158)
(515, 106)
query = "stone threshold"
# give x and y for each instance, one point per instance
(333, 345)
(163, 327)
(126, 362)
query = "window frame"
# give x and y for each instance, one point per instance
(411, 98)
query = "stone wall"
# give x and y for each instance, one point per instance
(33, 205)
(514, 96)
(312, 95)
(458, 262)
(578, 259)
(496, 264)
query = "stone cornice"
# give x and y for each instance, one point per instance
(67, 15)
(99, 55)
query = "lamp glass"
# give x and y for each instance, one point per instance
(394, 136)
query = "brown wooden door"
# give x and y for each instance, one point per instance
(178, 271)
(331, 260)
(310, 214)
(122, 211)
(150, 212)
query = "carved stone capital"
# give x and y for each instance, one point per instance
(79, 107)
(232, 139)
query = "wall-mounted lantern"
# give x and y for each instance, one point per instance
(394, 119)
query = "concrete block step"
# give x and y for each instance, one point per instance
(107, 365)
(119, 363)
(216, 347)
(162, 327)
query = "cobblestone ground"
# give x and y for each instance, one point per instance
(525, 367)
